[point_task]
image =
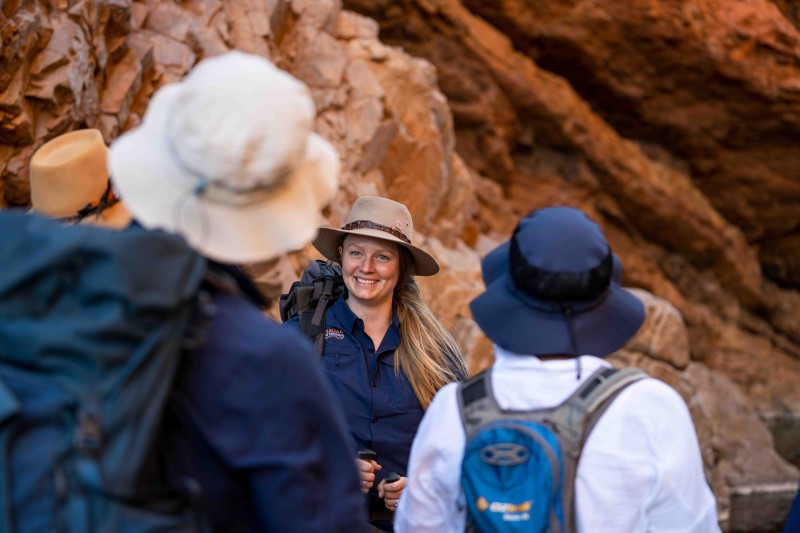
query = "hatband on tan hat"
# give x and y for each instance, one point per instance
(68, 175)
(381, 218)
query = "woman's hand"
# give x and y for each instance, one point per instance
(390, 492)
(366, 473)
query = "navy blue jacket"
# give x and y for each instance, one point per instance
(255, 423)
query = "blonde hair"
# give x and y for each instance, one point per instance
(427, 353)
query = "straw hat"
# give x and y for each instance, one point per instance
(381, 218)
(554, 289)
(226, 157)
(69, 179)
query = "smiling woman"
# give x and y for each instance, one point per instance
(370, 268)
(385, 353)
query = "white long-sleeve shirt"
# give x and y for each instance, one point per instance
(640, 469)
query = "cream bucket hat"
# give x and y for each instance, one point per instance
(226, 157)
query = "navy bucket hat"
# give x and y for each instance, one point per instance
(554, 289)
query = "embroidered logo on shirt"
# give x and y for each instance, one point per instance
(334, 333)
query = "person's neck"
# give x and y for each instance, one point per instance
(376, 318)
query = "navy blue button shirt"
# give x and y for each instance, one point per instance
(255, 423)
(380, 406)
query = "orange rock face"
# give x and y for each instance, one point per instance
(672, 123)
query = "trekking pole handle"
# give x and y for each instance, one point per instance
(391, 477)
(366, 455)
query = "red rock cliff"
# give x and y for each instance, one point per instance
(672, 123)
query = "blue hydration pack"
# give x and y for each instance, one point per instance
(92, 324)
(518, 472)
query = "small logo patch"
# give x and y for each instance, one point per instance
(482, 504)
(333, 333)
(511, 512)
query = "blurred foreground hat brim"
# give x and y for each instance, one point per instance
(227, 159)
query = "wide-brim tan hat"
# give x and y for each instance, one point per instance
(68, 174)
(380, 218)
(227, 158)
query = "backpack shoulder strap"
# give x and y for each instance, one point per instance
(325, 296)
(316, 327)
(599, 399)
(312, 324)
(319, 339)
(476, 402)
(575, 418)
(577, 415)
(327, 278)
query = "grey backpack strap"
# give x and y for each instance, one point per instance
(476, 403)
(571, 416)
(576, 417)
(477, 406)
(599, 400)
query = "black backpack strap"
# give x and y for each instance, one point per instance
(314, 328)
(325, 297)
(324, 293)
(319, 338)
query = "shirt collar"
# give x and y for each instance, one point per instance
(505, 359)
(345, 317)
(347, 320)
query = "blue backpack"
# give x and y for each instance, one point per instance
(92, 324)
(518, 472)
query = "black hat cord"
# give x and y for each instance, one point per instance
(572, 342)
